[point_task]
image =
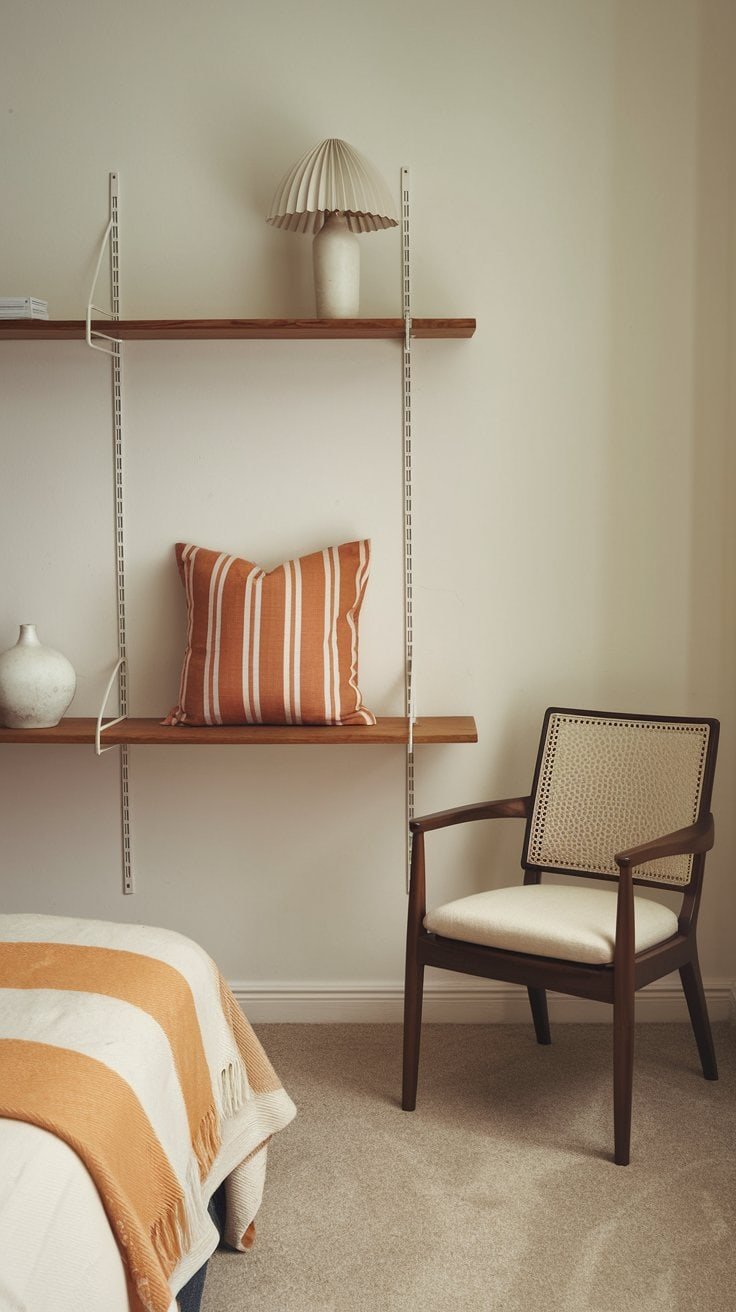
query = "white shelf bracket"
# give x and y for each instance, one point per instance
(100, 727)
(112, 346)
(109, 244)
(409, 683)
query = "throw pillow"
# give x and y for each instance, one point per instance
(272, 648)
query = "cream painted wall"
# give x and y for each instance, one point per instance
(572, 178)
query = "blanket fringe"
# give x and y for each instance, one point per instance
(234, 1088)
(207, 1141)
(172, 1232)
(171, 1235)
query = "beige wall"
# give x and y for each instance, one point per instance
(572, 187)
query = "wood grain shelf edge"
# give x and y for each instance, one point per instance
(151, 733)
(235, 329)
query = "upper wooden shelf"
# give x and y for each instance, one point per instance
(141, 733)
(140, 330)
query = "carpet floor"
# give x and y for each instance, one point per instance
(498, 1194)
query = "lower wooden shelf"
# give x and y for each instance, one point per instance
(142, 330)
(151, 733)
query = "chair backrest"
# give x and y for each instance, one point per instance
(605, 782)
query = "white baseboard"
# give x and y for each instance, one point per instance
(485, 1002)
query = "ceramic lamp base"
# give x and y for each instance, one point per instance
(336, 259)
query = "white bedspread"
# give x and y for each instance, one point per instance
(57, 1251)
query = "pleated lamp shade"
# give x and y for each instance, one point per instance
(333, 178)
(333, 193)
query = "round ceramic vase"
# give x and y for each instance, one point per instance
(37, 683)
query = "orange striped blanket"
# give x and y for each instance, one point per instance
(125, 1041)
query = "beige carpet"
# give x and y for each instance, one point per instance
(498, 1192)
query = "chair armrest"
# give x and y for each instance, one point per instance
(515, 807)
(691, 839)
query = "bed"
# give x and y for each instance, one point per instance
(134, 1096)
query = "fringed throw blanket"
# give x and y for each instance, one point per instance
(125, 1041)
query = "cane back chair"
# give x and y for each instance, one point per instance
(615, 797)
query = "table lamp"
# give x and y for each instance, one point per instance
(333, 192)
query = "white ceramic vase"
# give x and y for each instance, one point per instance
(37, 683)
(336, 262)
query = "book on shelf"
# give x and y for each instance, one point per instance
(23, 307)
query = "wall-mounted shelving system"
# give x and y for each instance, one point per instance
(107, 335)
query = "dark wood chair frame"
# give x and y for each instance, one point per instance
(615, 984)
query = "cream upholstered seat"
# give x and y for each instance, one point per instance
(550, 920)
(617, 797)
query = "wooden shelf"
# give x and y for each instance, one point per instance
(139, 330)
(151, 733)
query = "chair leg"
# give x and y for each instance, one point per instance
(540, 1015)
(623, 1076)
(413, 995)
(693, 987)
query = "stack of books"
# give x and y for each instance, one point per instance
(23, 307)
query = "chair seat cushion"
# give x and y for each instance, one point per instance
(550, 920)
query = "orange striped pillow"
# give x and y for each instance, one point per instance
(272, 648)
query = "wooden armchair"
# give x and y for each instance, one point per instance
(615, 797)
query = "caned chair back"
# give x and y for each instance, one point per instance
(606, 782)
